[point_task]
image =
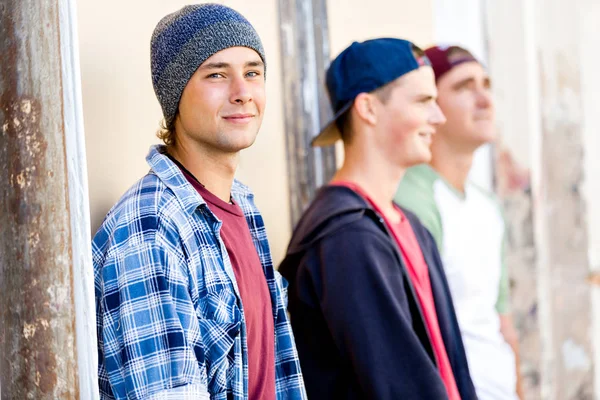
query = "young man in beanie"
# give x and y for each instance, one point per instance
(370, 307)
(466, 221)
(189, 305)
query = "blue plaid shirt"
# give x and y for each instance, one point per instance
(169, 316)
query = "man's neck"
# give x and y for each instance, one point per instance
(454, 166)
(215, 171)
(377, 177)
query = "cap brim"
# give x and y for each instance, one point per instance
(330, 133)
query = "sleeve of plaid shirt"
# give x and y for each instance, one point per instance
(149, 338)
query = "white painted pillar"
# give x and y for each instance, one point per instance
(589, 61)
(79, 204)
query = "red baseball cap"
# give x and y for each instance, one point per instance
(444, 58)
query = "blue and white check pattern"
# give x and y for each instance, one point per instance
(169, 316)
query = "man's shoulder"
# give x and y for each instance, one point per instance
(416, 194)
(337, 216)
(145, 197)
(416, 191)
(334, 207)
(137, 215)
(420, 179)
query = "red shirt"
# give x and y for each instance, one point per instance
(256, 298)
(419, 276)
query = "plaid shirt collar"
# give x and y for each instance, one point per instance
(171, 176)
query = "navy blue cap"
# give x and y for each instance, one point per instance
(362, 68)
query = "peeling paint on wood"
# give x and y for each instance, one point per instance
(305, 56)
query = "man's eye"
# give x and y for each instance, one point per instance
(253, 74)
(215, 75)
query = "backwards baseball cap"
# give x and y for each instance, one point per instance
(183, 40)
(362, 68)
(444, 58)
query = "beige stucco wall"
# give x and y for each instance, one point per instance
(351, 20)
(121, 113)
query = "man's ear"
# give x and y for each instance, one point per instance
(366, 108)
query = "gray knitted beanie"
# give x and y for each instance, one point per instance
(183, 40)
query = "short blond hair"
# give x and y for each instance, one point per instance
(344, 123)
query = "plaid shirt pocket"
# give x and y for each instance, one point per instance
(220, 324)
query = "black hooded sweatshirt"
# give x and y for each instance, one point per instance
(357, 322)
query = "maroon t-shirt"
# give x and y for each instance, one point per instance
(256, 298)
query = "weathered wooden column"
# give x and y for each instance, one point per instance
(559, 206)
(305, 57)
(46, 289)
(544, 70)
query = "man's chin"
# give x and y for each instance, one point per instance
(239, 144)
(485, 134)
(475, 141)
(236, 147)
